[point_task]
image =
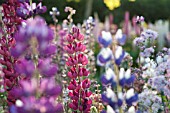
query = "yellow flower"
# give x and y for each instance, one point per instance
(112, 4)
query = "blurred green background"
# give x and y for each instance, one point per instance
(152, 10)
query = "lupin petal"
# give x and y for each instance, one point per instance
(129, 77)
(121, 77)
(120, 99)
(105, 39)
(131, 96)
(104, 56)
(119, 55)
(109, 77)
(121, 38)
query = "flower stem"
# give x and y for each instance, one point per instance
(31, 7)
(31, 4)
(139, 60)
(119, 88)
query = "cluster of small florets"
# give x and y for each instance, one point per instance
(149, 99)
(153, 75)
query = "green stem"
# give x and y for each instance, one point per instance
(98, 105)
(31, 4)
(116, 69)
(119, 88)
(139, 61)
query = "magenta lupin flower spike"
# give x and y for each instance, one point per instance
(10, 22)
(79, 93)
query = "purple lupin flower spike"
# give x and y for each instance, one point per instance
(37, 90)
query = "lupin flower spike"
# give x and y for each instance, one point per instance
(42, 37)
(72, 12)
(54, 13)
(115, 78)
(37, 90)
(79, 93)
(88, 26)
(10, 22)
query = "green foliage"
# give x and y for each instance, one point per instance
(151, 9)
